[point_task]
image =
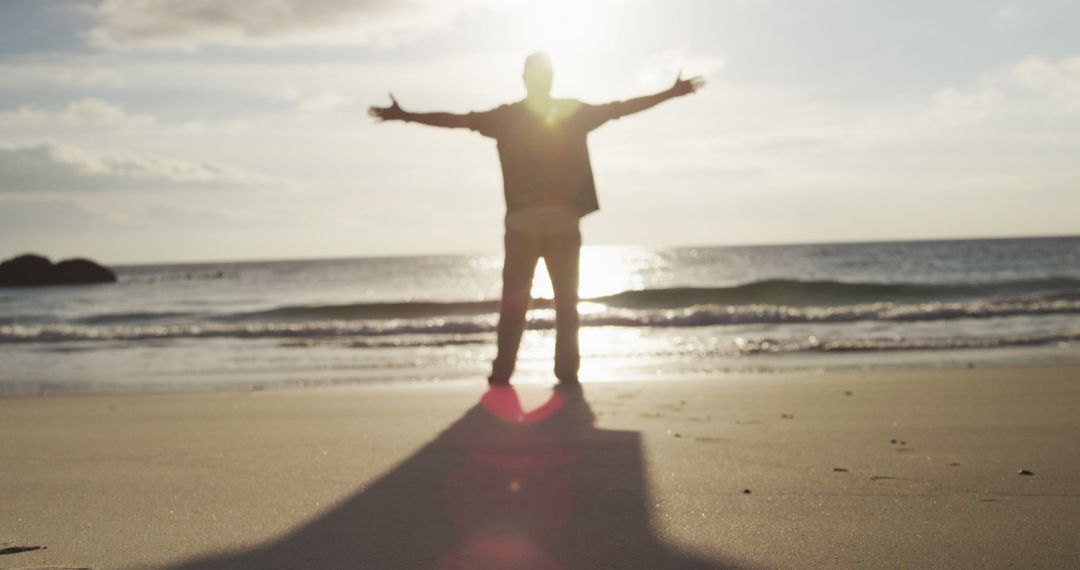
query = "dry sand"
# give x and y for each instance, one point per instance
(893, 470)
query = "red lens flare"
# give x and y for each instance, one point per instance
(509, 500)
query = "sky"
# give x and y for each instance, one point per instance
(191, 130)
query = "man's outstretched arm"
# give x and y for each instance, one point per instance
(680, 88)
(395, 113)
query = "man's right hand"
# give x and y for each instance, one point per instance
(392, 113)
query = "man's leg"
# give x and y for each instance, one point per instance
(522, 253)
(561, 255)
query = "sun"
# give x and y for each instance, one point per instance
(562, 29)
(565, 29)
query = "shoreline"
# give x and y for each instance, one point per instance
(843, 469)
(1007, 358)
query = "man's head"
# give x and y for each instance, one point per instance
(538, 74)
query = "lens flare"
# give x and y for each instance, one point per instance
(509, 498)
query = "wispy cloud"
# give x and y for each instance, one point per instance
(1057, 80)
(1010, 12)
(664, 66)
(1033, 86)
(36, 73)
(61, 167)
(21, 216)
(85, 112)
(191, 24)
(324, 102)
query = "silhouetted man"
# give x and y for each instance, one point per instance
(548, 184)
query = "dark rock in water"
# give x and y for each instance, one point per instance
(82, 271)
(1025, 472)
(840, 469)
(746, 491)
(32, 270)
(26, 269)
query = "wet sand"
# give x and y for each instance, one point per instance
(876, 469)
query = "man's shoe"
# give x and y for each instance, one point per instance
(569, 388)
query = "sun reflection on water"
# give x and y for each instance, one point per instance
(607, 354)
(604, 270)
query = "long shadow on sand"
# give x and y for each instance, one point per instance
(499, 488)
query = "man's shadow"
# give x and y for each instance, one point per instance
(499, 488)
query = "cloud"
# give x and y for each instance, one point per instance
(1057, 80)
(662, 67)
(215, 217)
(955, 107)
(325, 102)
(1034, 86)
(61, 167)
(18, 217)
(98, 112)
(191, 24)
(1010, 12)
(85, 112)
(85, 74)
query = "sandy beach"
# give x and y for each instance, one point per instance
(891, 470)
(289, 284)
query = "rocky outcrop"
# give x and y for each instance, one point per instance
(31, 270)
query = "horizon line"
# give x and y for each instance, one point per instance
(589, 246)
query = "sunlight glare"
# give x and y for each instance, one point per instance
(565, 29)
(604, 271)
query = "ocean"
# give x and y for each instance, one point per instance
(646, 313)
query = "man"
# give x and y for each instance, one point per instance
(548, 185)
